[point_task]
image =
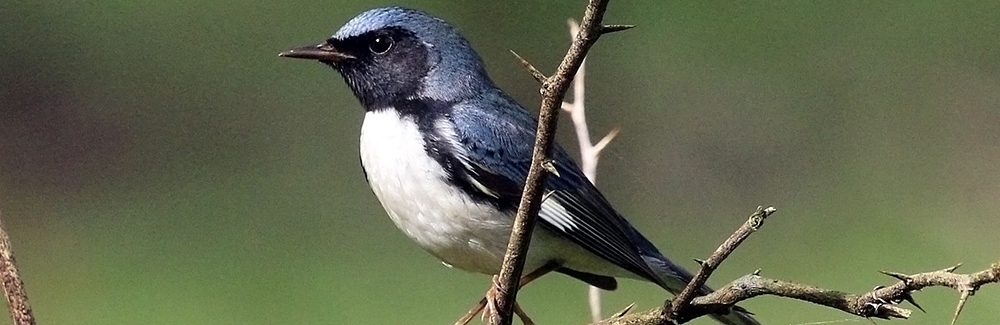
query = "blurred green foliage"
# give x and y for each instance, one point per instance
(160, 165)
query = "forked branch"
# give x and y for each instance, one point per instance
(882, 302)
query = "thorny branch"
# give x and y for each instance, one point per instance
(553, 90)
(881, 302)
(756, 220)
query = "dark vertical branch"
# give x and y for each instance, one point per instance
(553, 89)
(13, 287)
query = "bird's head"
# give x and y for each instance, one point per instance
(388, 55)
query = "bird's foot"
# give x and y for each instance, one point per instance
(490, 311)
(488, 306)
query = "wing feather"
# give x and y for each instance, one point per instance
(497, 155)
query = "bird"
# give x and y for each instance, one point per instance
(446, 153)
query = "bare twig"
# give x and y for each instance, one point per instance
(882, 302)
(590, 153)
(553, 89)
(756, 220)
(13, 287)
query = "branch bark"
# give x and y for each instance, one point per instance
(673, 308)
(13, 287)
(882, 302)
(553, 90)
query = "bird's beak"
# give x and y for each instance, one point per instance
(324, 52)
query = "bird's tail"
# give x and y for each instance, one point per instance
(674, 278)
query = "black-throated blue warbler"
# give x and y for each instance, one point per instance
(446, 152)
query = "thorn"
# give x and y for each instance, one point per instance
(756, 272)
(741, 310)
(769, 210)
(909, 298)
(899, 276)
(550, 166)
(624, 311)
(605, 140)
(699, 261)
(608, 29)
(538, 75)
(952, 269)
(961, 304)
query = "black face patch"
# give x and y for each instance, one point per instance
(389, 66)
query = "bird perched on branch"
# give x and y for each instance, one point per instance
(447, 152)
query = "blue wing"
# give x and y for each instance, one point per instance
(498, 143)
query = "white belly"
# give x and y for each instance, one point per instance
(413, 189)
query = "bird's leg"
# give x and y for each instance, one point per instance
(487, 305)
(478, 307)
(522, 315)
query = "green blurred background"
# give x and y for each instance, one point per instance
(159, 164)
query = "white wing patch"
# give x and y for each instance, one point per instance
(556, 214)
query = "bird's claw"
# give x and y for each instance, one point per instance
(488, 307)
(879, 302)
(490, 310)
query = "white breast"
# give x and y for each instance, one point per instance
(414, 191)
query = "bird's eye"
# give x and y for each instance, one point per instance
(381, 44)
